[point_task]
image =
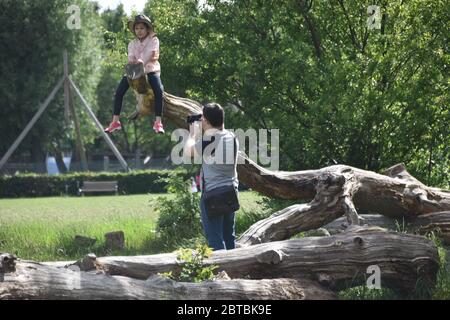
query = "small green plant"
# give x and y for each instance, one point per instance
(401, 227)
(442, 288)
(364, 293)
(193, 268)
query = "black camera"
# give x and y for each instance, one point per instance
(193, 118)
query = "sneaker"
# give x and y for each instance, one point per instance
(158, 127)
(114, 126)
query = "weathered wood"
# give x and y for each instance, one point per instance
(314, 266)
(399, 171)
(176, 109)
(376, 193)
(336, 262)
(82, 241)
(70, 110)
(437, 222)
(33, 280)
(341, 224)
(332, 200)
(115, 240)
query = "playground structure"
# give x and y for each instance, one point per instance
(69, 85)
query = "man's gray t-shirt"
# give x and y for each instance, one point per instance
(219, 153)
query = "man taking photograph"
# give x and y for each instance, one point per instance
(218, 148)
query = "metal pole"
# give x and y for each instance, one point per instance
(31, 123)
(100, 127)
(68, 103)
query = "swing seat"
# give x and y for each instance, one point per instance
(142, 90)
(176, 109)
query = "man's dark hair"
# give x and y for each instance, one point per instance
(213, 112)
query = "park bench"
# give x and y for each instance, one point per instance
(99, 186)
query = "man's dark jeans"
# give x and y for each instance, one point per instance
(219, 231)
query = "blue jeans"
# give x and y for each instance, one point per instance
(219, 231)
(155, 83)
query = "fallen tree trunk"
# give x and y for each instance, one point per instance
(436, 222)
(336, 189)
(315, 267)
(374, 193)
(33, 280)
(332, 200)
(335, 262)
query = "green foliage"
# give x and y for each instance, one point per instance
(442, 290)
(401, 226)
(38, 185)
(179, 217)
(335, 89)
(193, 268)
(364, 293)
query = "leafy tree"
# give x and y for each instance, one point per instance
(339, 91)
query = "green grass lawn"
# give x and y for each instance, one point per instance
(43, 229)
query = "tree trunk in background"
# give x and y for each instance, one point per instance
(60, 161)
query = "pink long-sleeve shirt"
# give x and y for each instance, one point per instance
(144, 50)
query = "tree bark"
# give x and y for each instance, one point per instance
(375, 193)
(33, 280)
(336, 262)
(59, 158)
(436, 222)
(176, 109)
(332, 200)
